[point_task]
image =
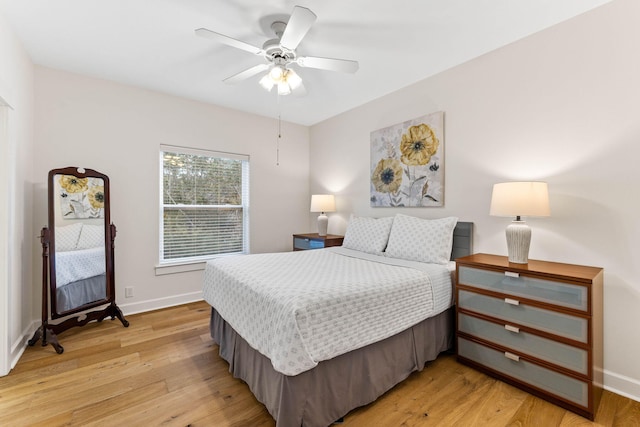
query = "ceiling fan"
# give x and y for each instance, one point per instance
(280, 53)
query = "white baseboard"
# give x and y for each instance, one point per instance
(622, 385)
(156, 304)
(18, 347)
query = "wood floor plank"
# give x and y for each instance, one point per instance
(494, 407)
(60, 419)
(537, 412)
(151, 334)
(627, 412)
(38, 370)
(79, 378)
(46, 393)
(117, 404)
(455, 399)
(177, 408)
(165, 370)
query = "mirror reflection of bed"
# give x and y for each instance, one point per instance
(80, 270)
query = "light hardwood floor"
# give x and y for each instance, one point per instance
(165, 370)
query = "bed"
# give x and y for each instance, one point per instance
(318, 333)
(80, 266)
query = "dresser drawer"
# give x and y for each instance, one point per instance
(553, 322)
(305, 243)
(563, 386)
(556, 293)
(560, 354)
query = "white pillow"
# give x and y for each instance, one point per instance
(368, 235)
(66, 238)
(424, 240)
(91, 236)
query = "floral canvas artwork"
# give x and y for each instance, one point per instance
(81, 197)
(407, 163)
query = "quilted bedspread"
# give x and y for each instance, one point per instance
(80, 264)
(299, 308)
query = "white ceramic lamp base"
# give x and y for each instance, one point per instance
(518, 242)
(323, 222)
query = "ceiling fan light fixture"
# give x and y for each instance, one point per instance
(277, 73)
(284, 78)
(284, 88)
(293, 79)
(267, 82)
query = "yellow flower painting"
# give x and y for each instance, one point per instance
(387, 176)
(80, 197)
(418, 144)
(96, 196)
(73, 184)
(407, 163)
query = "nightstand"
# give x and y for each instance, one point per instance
(302, 242)
(537, 326)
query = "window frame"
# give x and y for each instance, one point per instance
(191, 263)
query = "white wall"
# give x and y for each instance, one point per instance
(118, 129)
(560, 106)
(17, 237)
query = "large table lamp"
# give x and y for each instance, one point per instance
(323, 203)
(518, 199)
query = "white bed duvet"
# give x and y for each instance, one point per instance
(81, 264)
(299, 308)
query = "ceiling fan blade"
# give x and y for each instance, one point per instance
(299, 24)
(229, 41)
(249, 72)
(331, 64)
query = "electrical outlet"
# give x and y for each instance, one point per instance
(128, 292)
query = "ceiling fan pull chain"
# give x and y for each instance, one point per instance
(278, 139)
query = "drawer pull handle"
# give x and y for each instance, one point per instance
(512, 329)
(512, 356)
(512, 301)
(511, 274)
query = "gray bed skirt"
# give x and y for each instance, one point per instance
(322, 395)
(76, 294)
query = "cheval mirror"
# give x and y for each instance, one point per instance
(77, 254)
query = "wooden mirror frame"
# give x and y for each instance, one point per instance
(48, 331)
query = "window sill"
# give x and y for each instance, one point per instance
(184, 267)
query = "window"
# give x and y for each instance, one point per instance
(205, 204)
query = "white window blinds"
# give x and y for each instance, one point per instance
(205, 204)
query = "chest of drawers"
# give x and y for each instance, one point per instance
(537, 326)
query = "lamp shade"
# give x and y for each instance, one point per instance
(520, 199)
(323, 203)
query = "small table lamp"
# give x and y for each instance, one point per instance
(519, 199)
(323, 203)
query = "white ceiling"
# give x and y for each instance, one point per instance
(151, 44)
